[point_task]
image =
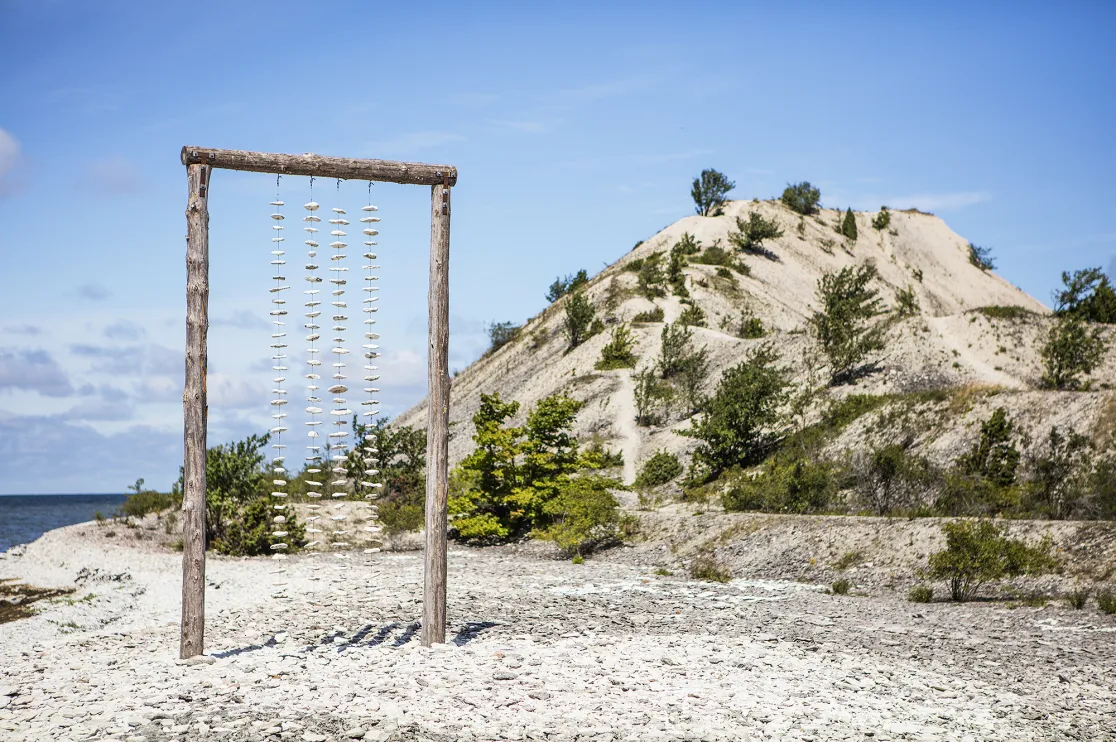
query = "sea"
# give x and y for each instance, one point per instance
(23, 518)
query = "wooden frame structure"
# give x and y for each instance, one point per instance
(200, 163)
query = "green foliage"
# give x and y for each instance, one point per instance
(751, 234)
(143, 501)
(252, 530)
(979, 551)
(400, 516)
(619, 351)
(801, 198)
(846, 328)
(582, 515)
(651, 276)
(981, 257)
(715, 255)
(1088, 295)
(706, 567)
(1071, 350)
(501, 333)
(567, 285)
(843, 412)
(398, 454)
(687, 244)
(579, 319)
(840, 587)
(891, 478)
(848, 225)
(691, 378)
(1077, 598)
(661, 468)
(675, 277)
(906, 302)
(994, 457)
(509, 485)
(742, 419)
(882, 220)
(709, 190)
(1058, 481)
(1004, 312)
(1106, 601)
(921, 594)
(788, 483)
(674, 347)
(652, 397)
(634, 265)
(746, 326)
(692, 316)
(652, 315)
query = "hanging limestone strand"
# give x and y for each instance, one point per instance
(338, 447)
(370, 484)
(313, 375)
(279, 477)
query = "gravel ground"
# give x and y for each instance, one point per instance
(540, 649)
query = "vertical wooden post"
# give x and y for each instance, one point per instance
(195, 413)
(437, 421)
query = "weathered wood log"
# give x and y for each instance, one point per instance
(437, 425)
(385, 171)
(195, 412)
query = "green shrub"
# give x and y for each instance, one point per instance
(843, 412)
(981, 257)
(567, 285)
(634, 265)
(906, 302)
(787, 484)
(143, 501)
(253, 530)
(993, 457)
(979, 551)
(579, 319)
(715, 255)
(849, 559)
(848, 225)
(652, 315)
(890, 478)
(743, 418)
(651, 276)
(1077, 598)
(882, 220)
(661, 572)
(1088, 296)
(692, 316)
(921, 594)
(801, 198)
(1002, 312)
(1058, 486)
(1070, 351)
(751, 234)
(618, 352)
(501, 333)
(582, 515)
(846, 328)
(840, 587)
(661, 468)
(652, 397)
(1106, 601)
(674, 347)
(709, 190)
(687, 245)
(674, 275)
(706, 567)
(397, 516)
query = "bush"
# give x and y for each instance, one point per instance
(845, 328)
(715, 255)
(906, 302)
(582, 515)
(748, 326)
(579, 319)
(848, 225)
(1077, 598)
(143, 501)
(707, 568)
(890, 477)
(652, 315)
(652, 396)
(567, 285)
(1002, 312)
(979, 551)
(1058, 481)
(801, 198)
(501, 333)
(253, 531)
(1087, 296)
(661, 468)
(398, 516)
(742, 419)
(687, 245)
(1071, 350)
(618, 352)
(709, 190)
(651, 276)
(675, 277)
(994, 457)
(751, 234)
(674, 348)
(692, 316)
(840, 587)
(1106, 601)
(882, 220)
(921, 594)
(788, 484)
(981, 257)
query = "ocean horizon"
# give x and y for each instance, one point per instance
(23, 518)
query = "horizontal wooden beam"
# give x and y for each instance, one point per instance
(384, 171)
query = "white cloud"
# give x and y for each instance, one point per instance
(33, 370)
(9, 158)
(94, 291)
(123, 330)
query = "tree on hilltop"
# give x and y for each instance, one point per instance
(709, 191)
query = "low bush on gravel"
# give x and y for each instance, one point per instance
(840, 587)
(921, 594)
(661, 468)
(1106, 601)
(979, 551)
(1077, 598)
(619, 351)
(996, 311)
(652, 315)
(707, 568)
(786, 484)
(143, 501)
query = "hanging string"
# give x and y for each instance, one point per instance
(278, 469)
(337, 447)
(313, 304)
(369, 484)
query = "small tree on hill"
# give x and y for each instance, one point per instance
(674, 348)
(567, 285)
(994, 457)
(882, 220)
(980, 551)
(709, 191)
(751, 234)
(1088, 295)
(981, 257)
(619, 351)
(501, 333)
(651, 396)
(579, 318)
(742, 419)
(801, 198)
(846, 327)
(848, 226)
(1071, 350)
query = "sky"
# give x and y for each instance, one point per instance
(576, 129)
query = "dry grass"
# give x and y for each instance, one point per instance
(965, 397)
(1104, 427)
(16, 599)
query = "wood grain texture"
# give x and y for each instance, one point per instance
(195, 413)
(384, 171)
(437, 427)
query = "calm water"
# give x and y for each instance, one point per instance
(23, 518)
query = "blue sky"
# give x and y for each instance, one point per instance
(576, 129)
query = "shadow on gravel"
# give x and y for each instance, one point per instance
(241, 650)
(471, 631)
